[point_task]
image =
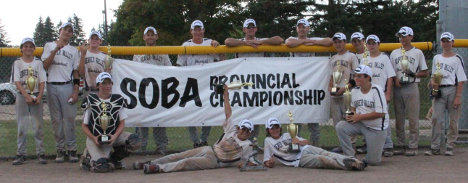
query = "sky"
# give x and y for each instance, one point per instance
(19, 17)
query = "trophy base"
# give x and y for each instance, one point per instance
(334, 90)
(349, 113)
(294, 148)
(436, 93)
(104, 139)
(404, 80)
(246, 168)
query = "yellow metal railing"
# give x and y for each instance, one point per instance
(172, 50)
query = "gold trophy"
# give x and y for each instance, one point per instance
(235, 85)
(31, 82)
(110, 60)
(437, 79)
(404, 63)
(337, 75)
(104, 123)
(365, 60)
(293, 130)
(347, 101)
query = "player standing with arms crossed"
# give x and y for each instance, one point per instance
(61, 62)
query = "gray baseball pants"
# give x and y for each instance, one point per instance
(406, 102)
(104, 150)
(440, 105)
(29, 115)
(63, 116)
(337, 109)
(159, 135)
(194, 159)
(314, 129)
(315, 157)
(205, 132)
(375, 140)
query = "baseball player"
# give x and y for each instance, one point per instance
(232, 149)
(277, 145)
(97, 156)
(28, 106)
(302, 29)
(197, 30)
(370, 117)
(358, 41)
(451, 86)
(150, 36)
(92, 63)
(406, 94)
(383, 75)
(250, 28)
(344, 62)
(61, 62)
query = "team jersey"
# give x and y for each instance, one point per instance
(243, 55)
(304, 54)
(187, 60)
(229, 148)
(416, 62)
(278, 149)
(153, 59)
(359, 57)
(65, 61)
(372, 101)
(20, 73)
(381, 70)
(452, 69)
(94, 65)
(115, 106)
(347, 63)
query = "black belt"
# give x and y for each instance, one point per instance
(281, 158)
(442, 86)
(59, 83)
(228, 161)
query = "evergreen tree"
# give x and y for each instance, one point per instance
(38, 33)
(3, 36)
(78, 35)
(49, 32)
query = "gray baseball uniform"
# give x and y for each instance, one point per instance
(452, 69)
(406, 98)
(59, 89)
(26, 113)
(159, 133)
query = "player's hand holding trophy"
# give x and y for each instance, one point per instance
(235, 85)
(104, 123)
(404, 64)
(31, 82)
(437, 80)
(293, 130)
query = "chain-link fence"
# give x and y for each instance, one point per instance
(178, 137)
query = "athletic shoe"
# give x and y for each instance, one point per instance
(388, 152)
(60, 156)
(19, 160)
(354, 164)
(161, 151)
(119, 165)
(148, 168)
(337, 150)
(72, 156)
(204, 143)
(411, 152)
(449, 152)
(139, 165)
(42, 159)
(362, 149)
(399, 151)
(432, 152)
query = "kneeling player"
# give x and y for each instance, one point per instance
(232, 149)
(277, 145)
(103, 124)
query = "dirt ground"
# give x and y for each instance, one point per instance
(394, 169)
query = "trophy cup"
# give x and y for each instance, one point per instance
(259, 167)
(104, 123)
(365, 60)
(110, 60)
(404, 63)
(347, 101)
(31, 82)
(236, 85)
(437, 79)
(337, 75)
(293, 130)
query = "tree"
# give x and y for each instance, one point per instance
(49, 32)
(3, 36)
(38, 37)
(78, 35)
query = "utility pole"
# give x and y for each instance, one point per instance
(105, 22)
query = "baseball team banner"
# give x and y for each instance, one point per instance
(169, 96)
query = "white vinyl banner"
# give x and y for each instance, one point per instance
(169, 96)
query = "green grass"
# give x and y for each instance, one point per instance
(178, 138)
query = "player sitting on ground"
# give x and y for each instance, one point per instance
(276, 147)
(233, 148)
(97, 155)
